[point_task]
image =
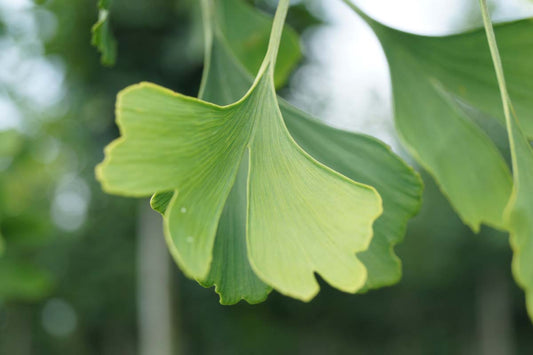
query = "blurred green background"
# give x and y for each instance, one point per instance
(87, 273)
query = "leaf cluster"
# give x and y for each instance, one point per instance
(256, 195)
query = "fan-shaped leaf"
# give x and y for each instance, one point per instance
(431, 76)
(294, 225)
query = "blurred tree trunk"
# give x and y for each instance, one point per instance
(494, 314)
(154, 296)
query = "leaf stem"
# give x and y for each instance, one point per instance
(498, 68)
(208, 17)
(493, 45)
(275, 36)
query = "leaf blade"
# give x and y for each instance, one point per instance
(439, 133)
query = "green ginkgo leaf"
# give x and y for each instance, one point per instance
(519, 211)
(225, 80)
(433, 80)
(438, 132)
(302, 217)
(102, 35)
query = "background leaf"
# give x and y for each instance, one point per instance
(102, 35)
(247, 31)
(428, 75)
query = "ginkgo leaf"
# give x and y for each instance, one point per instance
(431, 76)
(102, 36)
(225, 80)
(460, 69)
(519, 211)
(302, 217)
